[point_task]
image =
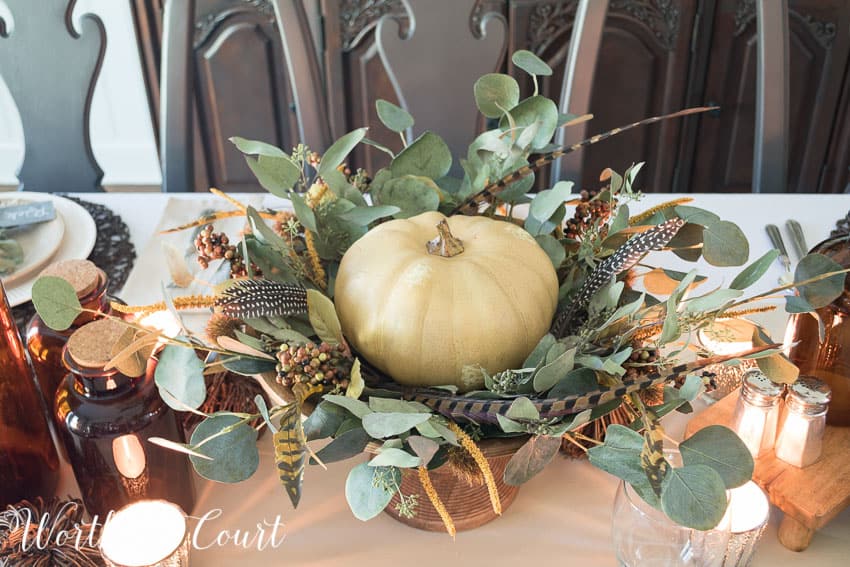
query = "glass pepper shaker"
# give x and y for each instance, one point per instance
(29, 466)
(43, 343)
(105, 419)
(800, 440)
(757, 412)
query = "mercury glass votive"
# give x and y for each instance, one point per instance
(148, 533)
(748, 512)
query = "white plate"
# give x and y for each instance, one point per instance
(39, 242)
(77, 242)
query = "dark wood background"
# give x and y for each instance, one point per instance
(656, 57)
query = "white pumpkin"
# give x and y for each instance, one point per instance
(421, 316)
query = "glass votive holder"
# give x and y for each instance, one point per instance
(757, 412)
(749, 510)
(148, 533)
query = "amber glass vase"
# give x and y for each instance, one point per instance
(29, 466)
(106, 419)
(43, 343)
(828, 360)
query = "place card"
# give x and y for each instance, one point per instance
(28, 213)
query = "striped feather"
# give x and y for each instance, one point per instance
(252, 298)
(486, 195)
(621, 260)
(290, 452)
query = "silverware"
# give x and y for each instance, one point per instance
(779, 244)
(797, 238)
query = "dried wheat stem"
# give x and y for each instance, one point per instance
(185, 302)
(743, 312)
(228, 198)
(651, 211)
(473, 449)
(438, 505)
(316, 268)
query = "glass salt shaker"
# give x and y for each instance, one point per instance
(800, 440)
(757, 412)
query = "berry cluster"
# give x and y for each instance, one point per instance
(588, 212)
(216, 246)
(317, 364)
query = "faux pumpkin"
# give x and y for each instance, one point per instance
(420, 298)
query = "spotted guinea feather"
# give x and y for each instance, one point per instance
(621, 260)
(249, 299)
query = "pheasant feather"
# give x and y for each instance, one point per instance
(621, 260)
(249, 299)
(491, 191)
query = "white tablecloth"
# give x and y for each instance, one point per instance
(561, 516)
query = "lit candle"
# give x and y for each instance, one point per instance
(748, 510)
(148, 533)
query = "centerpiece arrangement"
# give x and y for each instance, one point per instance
(458, 328)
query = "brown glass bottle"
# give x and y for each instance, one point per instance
(43, 343)
(828, 360)
(29, 466)
(105, 420)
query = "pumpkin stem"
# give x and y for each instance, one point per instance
(446, 245)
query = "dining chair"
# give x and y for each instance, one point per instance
(50, 67)
(196, 84)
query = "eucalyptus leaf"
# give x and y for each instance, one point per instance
(247, 366)
(752, 273)
(391, 405)
(339, 150)
(523, 408)
(777, 367)
(495, 94)
(712, 301)
(356, 407)
(254, 147)
(393, 117)
(366, 496)
(822, 292)
(56, 302)
(578, 381)
(555, 371)
(382, 425)
(547, 202)
(411, 194)
(392, 457)
(367, 215)
(694, 496)
(537, 110)
(531, 458)
(531, 63)
(305, 214)
(428, 156)
(538, 355)
(553, 249)
(620, 221)
(619, 455)
(719, 448)
(510, 426)
(276, 174)
(323, 317)
(725, 245)
(424, 448)
(535, 227)
(346, 445)
(181, 373)
(260, 402)
(232, 456)
(324, 421)
(696, 215)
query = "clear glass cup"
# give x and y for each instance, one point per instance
(645, 537)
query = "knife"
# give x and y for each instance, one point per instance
(797, 238)
(776, 239)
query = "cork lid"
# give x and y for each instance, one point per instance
(92, 344)
(83, 275)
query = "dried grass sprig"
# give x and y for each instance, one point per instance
(317, 270)
(184, 302)
(436, 502)
(651, 211)
(473, 449)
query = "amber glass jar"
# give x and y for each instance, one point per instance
(105, 420)
(29, 466)
(43, 343)
(828, 360)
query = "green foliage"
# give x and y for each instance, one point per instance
(231, 445)
(410, 194)
(179, 376)
(725, 244)
(495, 94)
(339, 150)
(323, 317)
(428, 156)
(820, 292)
(531, 63)
(368, 490)
(694, 496)
(752, 273)
(531, 458)
(55, 302)
(537, 111)
(383, 425)
(719, 448)
(393, 117)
